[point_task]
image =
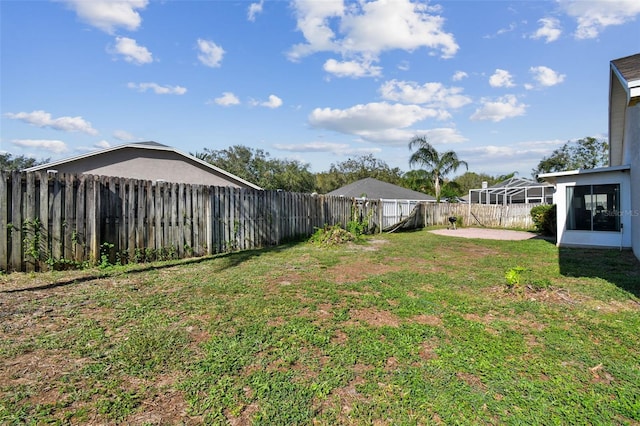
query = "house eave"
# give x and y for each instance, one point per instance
(552, 177)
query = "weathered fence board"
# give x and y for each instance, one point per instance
(4, 219)
(492, 216)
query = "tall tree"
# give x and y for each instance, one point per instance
(438, 165)
(418, 180)
(354, 169)
(471, 180)
(18, 163)
(585, 153)
(256, 166)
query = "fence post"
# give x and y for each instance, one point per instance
(93, 217)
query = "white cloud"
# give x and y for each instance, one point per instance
(210, 53)
(124, 136)
(512, 26)
(546, 77)
(254, 9)
(330, 147)
(366, 29)
(273, 102)
(442, 135)
(351, 68)
(98, 146)
(44, 119)
(107, 15)
(401, 137)
(431, 94)
(501, 78)
(595, 16)
(549, 30)
(379, 122)
(459, 75)
(54, 146)
(497, 159)
(227, 99)
(500, 109)
(131, 51)
(313, 21)
(158, 89)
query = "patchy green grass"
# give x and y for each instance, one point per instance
(408, 329)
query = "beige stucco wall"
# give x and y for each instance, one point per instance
(148, 164)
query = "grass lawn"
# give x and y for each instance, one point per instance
(403, 329)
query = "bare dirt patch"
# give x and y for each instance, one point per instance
(357, 271)
(428, 349)
(433, 320)
(346, 397)
(486, 233)
(472, 380)
(374, 317)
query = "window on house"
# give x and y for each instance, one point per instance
(593, 207)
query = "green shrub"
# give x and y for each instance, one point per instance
(331, 235)
(520, 277)
(545, 218)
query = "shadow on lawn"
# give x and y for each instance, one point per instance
(230, 260)
(621, 268)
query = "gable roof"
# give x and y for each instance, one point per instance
(149, 145)
(628, 71)
(378, 190)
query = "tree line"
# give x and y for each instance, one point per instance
(430, 175)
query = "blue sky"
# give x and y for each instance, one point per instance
(502, 83)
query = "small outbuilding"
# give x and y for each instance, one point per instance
(397, 202)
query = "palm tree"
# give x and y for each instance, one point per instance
(438, 165)
(418, 180)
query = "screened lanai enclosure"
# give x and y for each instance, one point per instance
(513, 191)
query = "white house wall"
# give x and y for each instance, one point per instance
(595, 238)
(632, 152)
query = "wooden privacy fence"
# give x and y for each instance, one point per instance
(49, 220)
(486, 215)
(54, 221)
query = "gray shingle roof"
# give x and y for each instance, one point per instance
(148, 145)
(376, 189)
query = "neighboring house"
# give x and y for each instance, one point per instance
(398, 202)
(147, 161)
(601, 207)
(515, 190)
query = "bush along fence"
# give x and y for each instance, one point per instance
(51, 221)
